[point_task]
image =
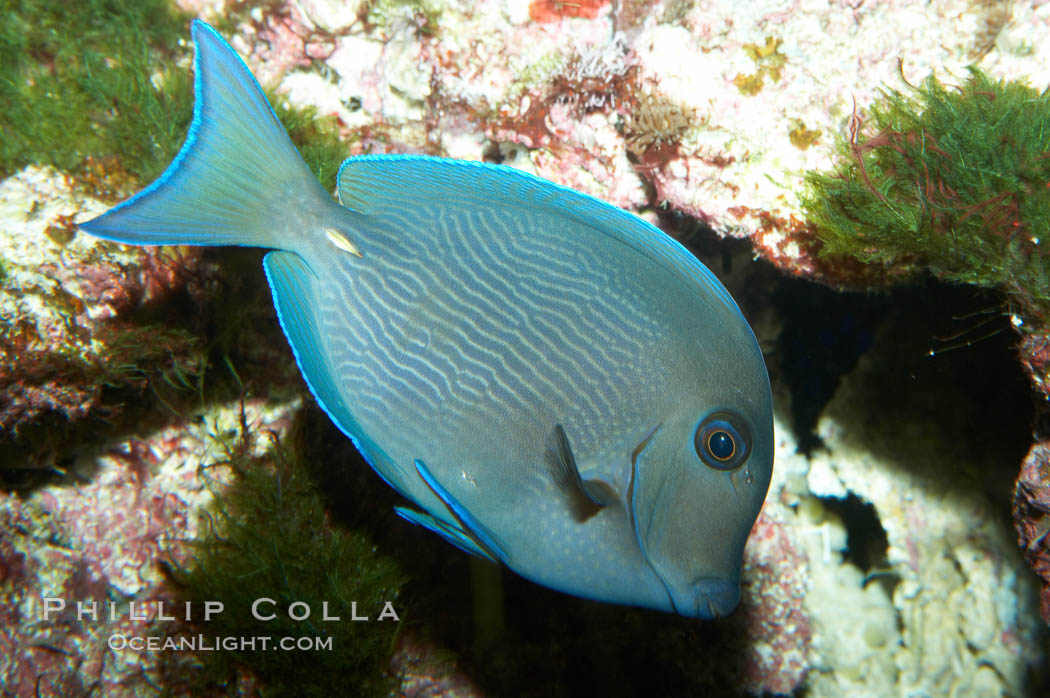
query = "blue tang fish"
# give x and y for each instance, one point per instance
(554, 383)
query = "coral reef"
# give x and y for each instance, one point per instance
(268, 539)
(193, 514)
(555, 10)
(882, 561)
(775, 617)
(103, 538)
(1032, 516)
(425, 670)
(953, 181)
(394, 86)
(956, 183)
(957, 614)
(72, 342)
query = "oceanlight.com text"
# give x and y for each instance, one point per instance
(203, 643)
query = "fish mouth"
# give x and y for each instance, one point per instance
(707, 598)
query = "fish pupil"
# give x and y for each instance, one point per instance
(721, 445)
(723, 440)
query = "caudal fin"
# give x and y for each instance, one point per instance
(236, 179)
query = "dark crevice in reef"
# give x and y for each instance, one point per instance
(937, 354)
(824, 333)
(717, 252)
(751, 283)
(867, 545)
(866, 541)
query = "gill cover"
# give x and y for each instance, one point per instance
(692, 511)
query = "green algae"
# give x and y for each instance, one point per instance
(54, 390)
(102, 91)
(269, 538)
(317, 139)
(91, 78)
(955, 181)
(90, 81)
(386, 13)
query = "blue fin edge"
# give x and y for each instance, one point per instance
(188, 145)
(302, 335)
(481, 536)
(586, 209)
(453, 535)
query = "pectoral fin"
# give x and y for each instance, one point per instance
(586, 497)
(473, 537)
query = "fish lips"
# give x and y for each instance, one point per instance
(714, 594)
(706, 599)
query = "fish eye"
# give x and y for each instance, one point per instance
(723, 440)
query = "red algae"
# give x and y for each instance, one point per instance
(774, 610)
(556, 10)
(1031, 509)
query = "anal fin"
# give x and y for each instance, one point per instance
(295, 288)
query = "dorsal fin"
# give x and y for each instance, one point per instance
(374, 184)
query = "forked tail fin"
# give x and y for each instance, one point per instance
(237, 180)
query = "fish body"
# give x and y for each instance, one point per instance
(554, 383)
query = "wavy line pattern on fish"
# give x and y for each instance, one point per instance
(552, 382)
